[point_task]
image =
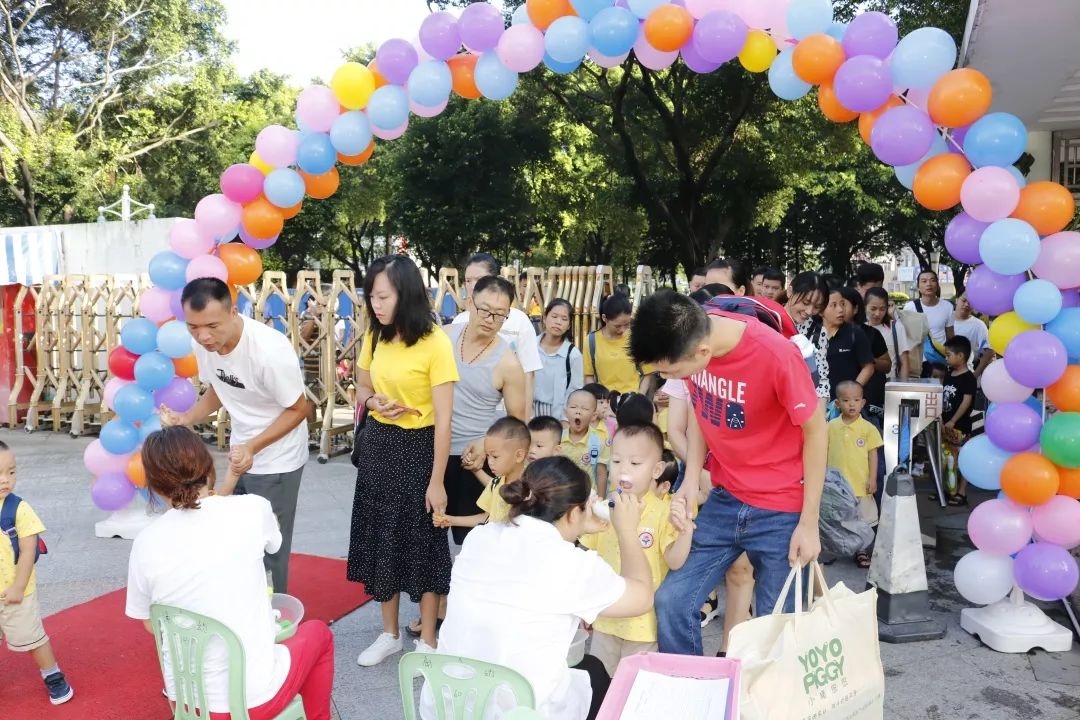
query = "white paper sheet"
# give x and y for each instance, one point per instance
(654, 695)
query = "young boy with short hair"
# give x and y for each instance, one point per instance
(853, 444)
(20, 616)
(583, 443)
(546, 433)
(506, 446)
(957, 401)
(637, 466)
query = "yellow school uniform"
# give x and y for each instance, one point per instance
(491, 502)
(614, 368)
(26, 523)
(407, 374)
(656, 534)
(590, 452)
(849, 447)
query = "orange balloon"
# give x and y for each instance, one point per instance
(1065, 393)
(817, 58)
(290, 212)
(1029, 478)
(867, 119)
(1070, 482)
(544, 12)
(186, 366)
(243, 263)
(359, 159)
(937, 182)
(322, 186)
(462, 68)
(379, 79)
(234, 294)
(1046, 206)
(831, 107)
(668, 27)
(262, 220)
(959, 97)
(135, 471)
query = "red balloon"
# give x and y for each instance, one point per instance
(122, 362)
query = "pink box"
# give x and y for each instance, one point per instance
(677, 666)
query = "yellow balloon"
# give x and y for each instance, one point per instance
(259, 163)
(353, 84)
(758, 52)
(1005, 327)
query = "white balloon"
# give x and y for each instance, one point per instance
(982, 578)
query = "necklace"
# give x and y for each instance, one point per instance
(461, 347)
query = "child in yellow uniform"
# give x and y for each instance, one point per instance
(546, 433)
(637, 466)
(506, 446)
(583, 444)
(853, 444)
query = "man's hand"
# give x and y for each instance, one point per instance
(241, 458)
(473, 457)
(805, 544)
(171, 418)
(680, 515)
(435, 498)
(12, 596)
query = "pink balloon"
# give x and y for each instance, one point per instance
(701, 8)
(187, 241)
(1059, 259)
(154, 305)
(1000, 527)
(652, 58)
(241, 183)
(1000, 387)
(608, 62)
(217, 215)
(1058, 521)
(521, 48)
(427, 112)
(99, 461)
(277, 145)
(112, 386)
(990, 194)
(390, 134)
(207, 266)
(317, 108)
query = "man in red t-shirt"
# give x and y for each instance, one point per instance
(758, 414)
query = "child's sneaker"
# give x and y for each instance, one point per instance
(59, 690)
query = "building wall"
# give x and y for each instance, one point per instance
(1040, 145)
(108, 248)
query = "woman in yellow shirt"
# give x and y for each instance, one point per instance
(405, 379)
(607, 359)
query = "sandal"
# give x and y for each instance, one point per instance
(862, 560)
(413, 629)
(707, 617)
(957, 500)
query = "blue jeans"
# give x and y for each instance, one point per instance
(726, 528)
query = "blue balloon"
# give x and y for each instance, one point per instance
(351, 133)
(785, 84)
(1021, 181)
(921, 57)
(429, 84)
(174, 339)
(154, 371)
(995, 139)
(906, 173)
(1009, 246)
(644, 8)
(567, 39)
(494, 80)
(520, 16)
(316, 154)
(284, 187)
(150, 425)
(133, 404)
(836, 31)
(1066, 328)
(588, 9)
(980, 461)
(139, 335)
(168, 270)
(388, 107)
(119, 437)
(613, 31)
(807, 17)
(1037, 301)
(560, 68)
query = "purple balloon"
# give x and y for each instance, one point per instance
(719, 36)
(175, 306)
(180, 395)
(695, 62)
(1000, 527)
(256, 243)
(396, 59)
(439, 36)
(480, 26)
(1046, 571)
(1070, 298)
(112, 491)
(1014, 426)
(962, 238)
(1036, 358)
(992, 293)
(902, 135)
(862, 84)
(870, 33)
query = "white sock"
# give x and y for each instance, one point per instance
(49, 671)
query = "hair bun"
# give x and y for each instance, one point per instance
(521, 494)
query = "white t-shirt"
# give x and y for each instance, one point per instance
(939, 316)
(210, 561)
(518, 594)
(517, 332)
(676, 388)
(256, 382)
(901, 340)
(976, 332)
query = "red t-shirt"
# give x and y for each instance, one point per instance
(750, 405)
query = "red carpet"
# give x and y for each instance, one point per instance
(110, 659)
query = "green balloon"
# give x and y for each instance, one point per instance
(1060, 439)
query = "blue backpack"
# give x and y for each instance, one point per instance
(7, 525)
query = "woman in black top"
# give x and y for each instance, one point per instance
(846, 347)
(874, 388)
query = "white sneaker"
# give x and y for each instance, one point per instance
(423, 647)
(384, 646)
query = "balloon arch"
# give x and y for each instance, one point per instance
(917, 113)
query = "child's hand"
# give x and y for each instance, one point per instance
(440, 521)
(871, 486)
(12, 596)
(680, 515)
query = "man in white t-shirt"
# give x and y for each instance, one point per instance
(939, 317)
(517, 332)
(975, 330)
(252, 371)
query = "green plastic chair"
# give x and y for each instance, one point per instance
(472, 691)
(188, 635)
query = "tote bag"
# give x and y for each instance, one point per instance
(821, 662)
